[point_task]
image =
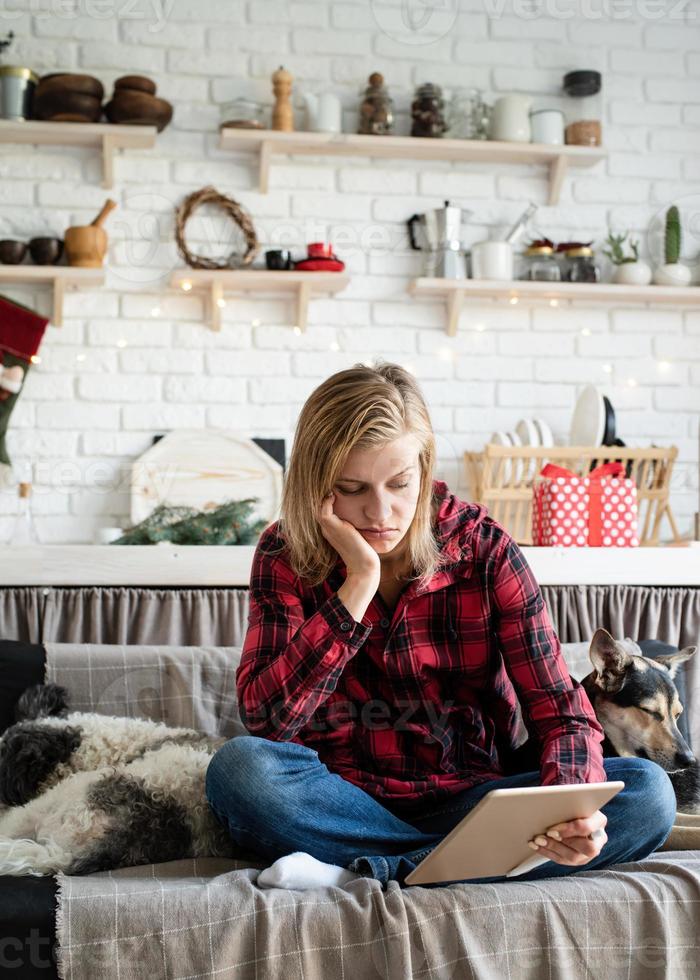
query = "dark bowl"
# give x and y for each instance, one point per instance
(66, 106)
(46, 251)
(12, 252)
(131, 108)
(135, 83)
(62, 82)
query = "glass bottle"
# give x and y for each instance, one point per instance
(24, 529)
(428, 111)
(580, 265)
(376, 109)
(542, 265)
(584, 108)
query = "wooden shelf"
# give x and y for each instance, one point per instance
(268, 143)
(105, 137)
(59, 277)
(219, 281)
(455, 291)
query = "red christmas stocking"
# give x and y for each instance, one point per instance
(21, 332)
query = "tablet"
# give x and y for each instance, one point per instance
(492, 838)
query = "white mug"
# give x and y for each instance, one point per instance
(547, 126)
(510, 120)
(492, 260)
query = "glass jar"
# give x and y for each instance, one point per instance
(376, 109)
(584, 108)
(428, 111)
(541, 264)
(580, 265)
(461, 114)
(243, 113)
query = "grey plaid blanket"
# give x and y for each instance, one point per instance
(207, 918)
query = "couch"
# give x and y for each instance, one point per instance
(208, 918)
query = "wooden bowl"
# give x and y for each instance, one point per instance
(139, 109)
(135, 83)
(46, 251)
(12, 252)
(74, 106)
(67, 82)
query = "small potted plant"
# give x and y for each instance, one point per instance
(630, 270)
(672, 272)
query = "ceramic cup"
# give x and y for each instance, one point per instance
(547, 126)
(492, 260)
(320, 250)
(278, 258)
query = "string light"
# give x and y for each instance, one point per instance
(255, 322)
(80, 357)
(632, 382)
(297, 331)
(513, 300)
(480, 327)
(585, 332)
(607, 368)
(186, 285)
(155, 311)
(554, 302)
(664, 366)
(35, 359)
(221, 302)
(121, 342)
(335, 345)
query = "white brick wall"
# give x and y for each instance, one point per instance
(135, 358)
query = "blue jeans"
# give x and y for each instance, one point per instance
(278, 797)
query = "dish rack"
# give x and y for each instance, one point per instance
(501, 478)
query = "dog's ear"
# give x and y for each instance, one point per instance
(42, 701)
(28, 755)
(610, 661)
(672, 661)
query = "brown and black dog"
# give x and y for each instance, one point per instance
(637, 704)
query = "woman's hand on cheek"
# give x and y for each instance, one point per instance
(359, 556)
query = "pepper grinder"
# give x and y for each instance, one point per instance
(282, 112)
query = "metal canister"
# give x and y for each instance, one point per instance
(16, 92)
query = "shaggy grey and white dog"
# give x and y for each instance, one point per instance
(86, 792)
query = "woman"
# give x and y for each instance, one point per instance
(394, 634)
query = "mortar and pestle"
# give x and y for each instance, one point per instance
(86, 245)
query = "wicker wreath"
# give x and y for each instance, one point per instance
(209, 195)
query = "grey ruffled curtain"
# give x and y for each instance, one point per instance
(218, 617)
(132, 616)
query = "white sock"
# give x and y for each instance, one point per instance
(302, 870)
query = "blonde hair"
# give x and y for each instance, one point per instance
(362, 407)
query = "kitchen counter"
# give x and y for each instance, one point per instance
(175, 565)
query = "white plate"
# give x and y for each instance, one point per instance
(588, 421)
(529, 436)
(546, 436)
(501, 438)
(527, 431)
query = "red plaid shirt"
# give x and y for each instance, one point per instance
(411, 705)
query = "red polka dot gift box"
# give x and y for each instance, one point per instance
(594, 511)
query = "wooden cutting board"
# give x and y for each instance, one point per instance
(203, 468)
